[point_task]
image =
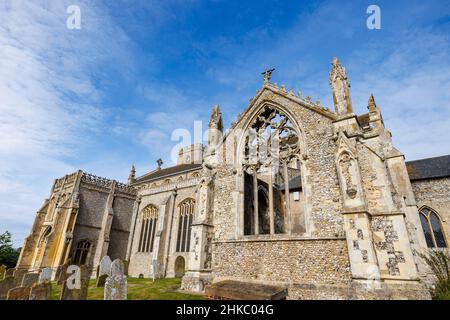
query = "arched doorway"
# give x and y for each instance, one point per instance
(180, 267)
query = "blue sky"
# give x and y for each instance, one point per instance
(110, 95)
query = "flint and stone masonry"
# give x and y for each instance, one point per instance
(294, 195)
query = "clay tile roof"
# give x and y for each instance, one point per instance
(430, 168)
(167, 172)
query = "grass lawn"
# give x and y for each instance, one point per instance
(140, 289)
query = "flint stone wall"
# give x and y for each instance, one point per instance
(435, 193)
(289, 261)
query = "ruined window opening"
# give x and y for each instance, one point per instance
(185, 218)
(272, 174)
(82, 252)
(432, 228)
(148, 228)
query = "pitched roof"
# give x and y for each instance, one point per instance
(167, 172)
(430, 168)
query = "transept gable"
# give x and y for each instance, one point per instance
(269, 91)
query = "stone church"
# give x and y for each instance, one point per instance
(293, 194)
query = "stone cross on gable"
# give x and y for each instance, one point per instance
(267, 74)
(159, 162)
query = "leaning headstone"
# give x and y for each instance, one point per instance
(5, 285)
(76, 285)
(104, 271)
(116, 286)
(2, 272)
(41, 291)
(46, 275)
(30, 279)
(19, 293)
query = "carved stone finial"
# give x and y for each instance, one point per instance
(215, 131)
(159, 163)
(267, 75)
(132, 176)
(371, 105)
(340, 86)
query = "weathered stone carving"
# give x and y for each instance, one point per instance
(345, 163)
(340, 85)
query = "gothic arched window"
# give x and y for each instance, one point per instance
(432, 228)
(185, 218)
(272, 177)
(149, 217)
(82, 252)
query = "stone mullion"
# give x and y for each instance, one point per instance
(287, 221)
(183, 221)
(431, 229)
(144, 246)
(152, 236)
(149, 234)
(255, 200)
(271, 213)
(151, 223)
(141, 237)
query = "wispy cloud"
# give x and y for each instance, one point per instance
(112, 93)
(50, 101)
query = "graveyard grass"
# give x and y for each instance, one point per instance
(140, 289)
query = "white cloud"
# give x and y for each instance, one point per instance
(49, 99)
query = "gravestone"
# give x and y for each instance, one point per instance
(117, 267)
(126, 265)
(18, 275)
(61, 274)
(76, 285)
(237, 290)
(30, 279)
(46, 275)
(104, 271)
(41, 291)
(2, 272)
(102, 280)
(5, 285)
(105, 266)
(116, 286)
(9, 272)
(19, 293)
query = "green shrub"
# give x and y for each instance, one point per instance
(439, 263)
